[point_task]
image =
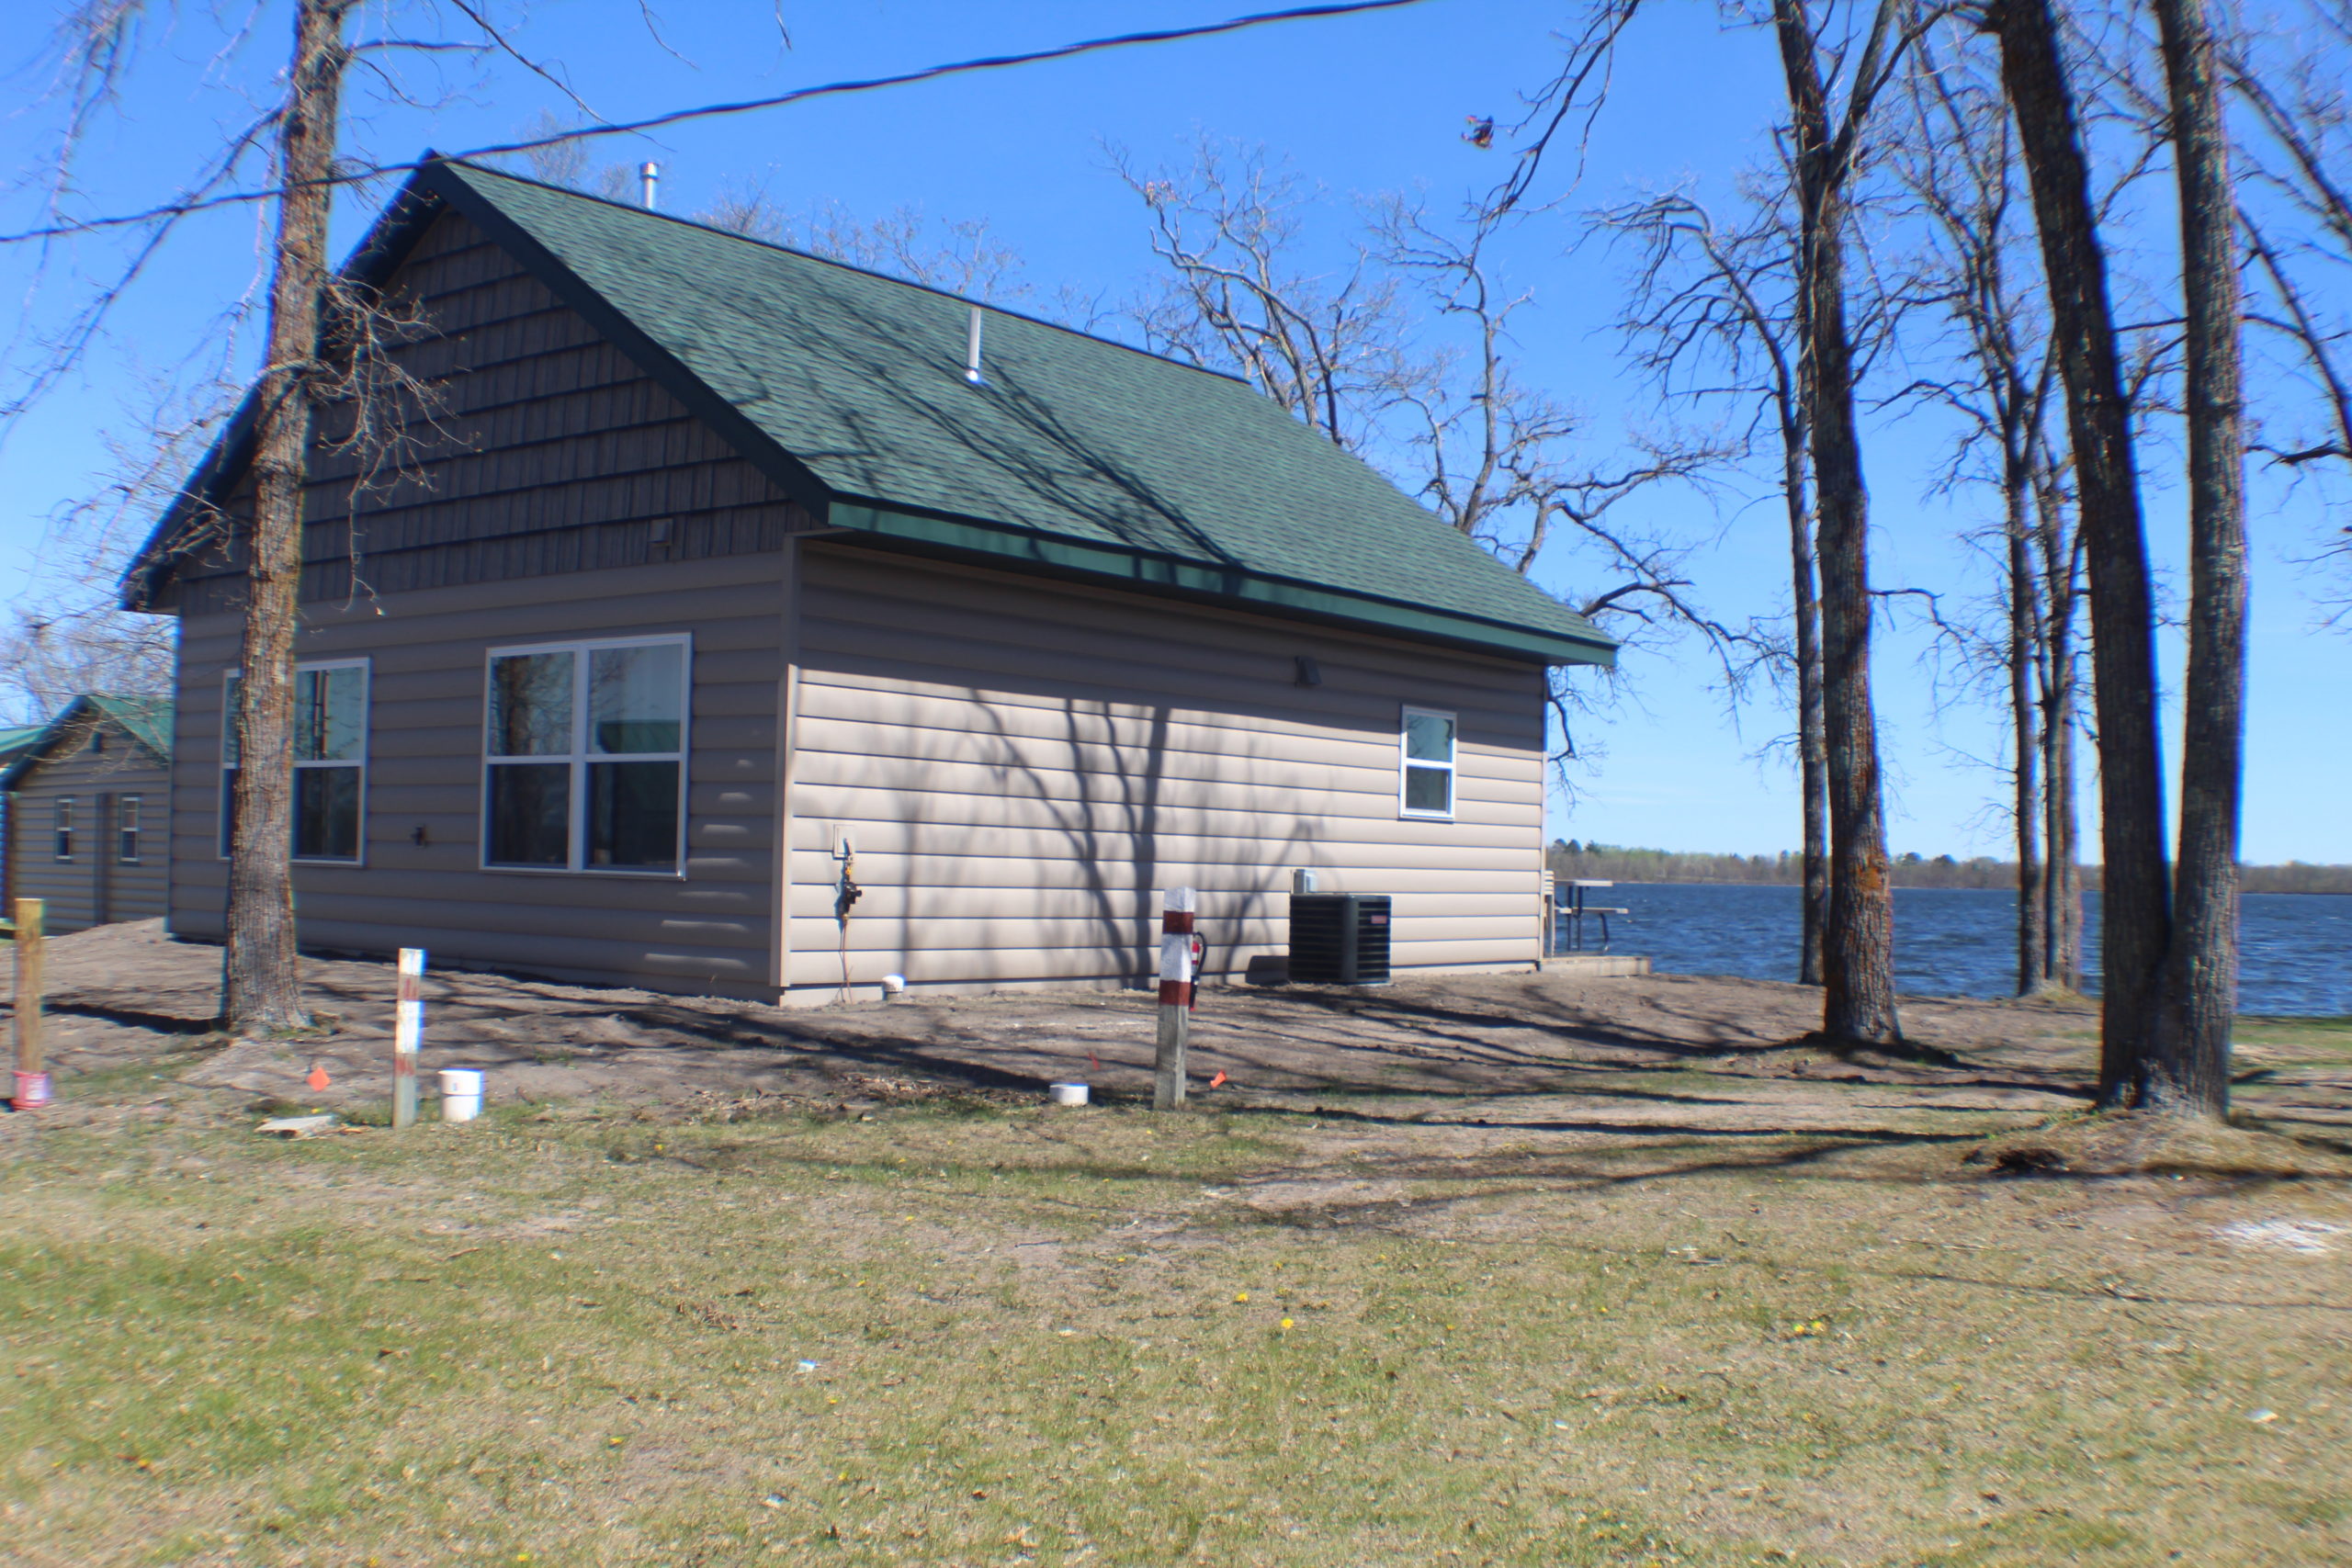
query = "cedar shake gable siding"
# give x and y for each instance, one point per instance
(1023, 731)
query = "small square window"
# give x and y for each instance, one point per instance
(1426, 763)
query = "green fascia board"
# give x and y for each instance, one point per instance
(1110, 564)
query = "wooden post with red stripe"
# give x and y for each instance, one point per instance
(408, 1033)
(1175, 999)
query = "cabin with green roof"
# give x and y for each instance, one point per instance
(738, 621)
(87, 794)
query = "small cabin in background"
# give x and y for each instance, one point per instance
(88, 807)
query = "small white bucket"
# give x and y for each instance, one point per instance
(1067, 1093)
(460, 1094)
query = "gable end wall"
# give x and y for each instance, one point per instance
(531, 516)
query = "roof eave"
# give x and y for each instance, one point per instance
(1234, 586)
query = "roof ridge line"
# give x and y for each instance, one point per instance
(844, 266)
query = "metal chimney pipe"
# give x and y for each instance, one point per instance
(972, 350)
(652, 175)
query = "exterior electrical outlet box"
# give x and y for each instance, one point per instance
(1338, 939)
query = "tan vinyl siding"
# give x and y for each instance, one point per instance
(1020, 766)
(709, 931)
(94, 887)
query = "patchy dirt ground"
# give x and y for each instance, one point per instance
(1513, 1052)
(1523, 1052)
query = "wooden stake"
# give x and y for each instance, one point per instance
(32, 1077)
(408, 1034)
(1175, 999)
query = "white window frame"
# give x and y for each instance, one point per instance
(128, 810)
(1406, 762)
(61, 830)
(579, 757)
(367, 733)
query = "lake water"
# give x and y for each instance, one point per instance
(2295, 950)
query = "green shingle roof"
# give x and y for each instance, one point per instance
(1076, 453)
(147, 720)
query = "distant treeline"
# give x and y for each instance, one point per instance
(1608, 863)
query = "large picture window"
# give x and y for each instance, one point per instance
(584, 753)
(330, 760)
(1425, 781)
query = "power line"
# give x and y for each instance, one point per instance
(711, 111)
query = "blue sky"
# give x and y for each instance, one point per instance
(1362, 106)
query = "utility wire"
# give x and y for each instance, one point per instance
(710, 111)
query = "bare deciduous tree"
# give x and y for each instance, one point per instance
(1857, 948)
(2170, 937)
(1713, 315)
(261, 987)
(1988, 335)
(1450, 419)
(2188, 1066)
(1326, 345)
(2135, 905)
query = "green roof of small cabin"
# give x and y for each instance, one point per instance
(147, 720)
(1072, 455)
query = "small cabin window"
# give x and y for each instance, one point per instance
(584, 756)
(1425, 763)
(63, 820)
(330, 760)
(125, 829)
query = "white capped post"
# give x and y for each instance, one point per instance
(1175, 999)
(408, 1034)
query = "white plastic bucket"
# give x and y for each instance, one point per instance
(1067, 1093)
(460, 1094)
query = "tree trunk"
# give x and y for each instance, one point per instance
(261, 985)
(1812, 746)
(2189, 1070)
(2062, 869)
(2025, 640)
(1858, 946)
(2135, 907)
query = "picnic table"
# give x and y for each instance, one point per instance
(1575, 909)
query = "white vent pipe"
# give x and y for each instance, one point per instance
(972, 350)
(651, 177)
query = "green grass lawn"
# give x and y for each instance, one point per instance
(961, 1334)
